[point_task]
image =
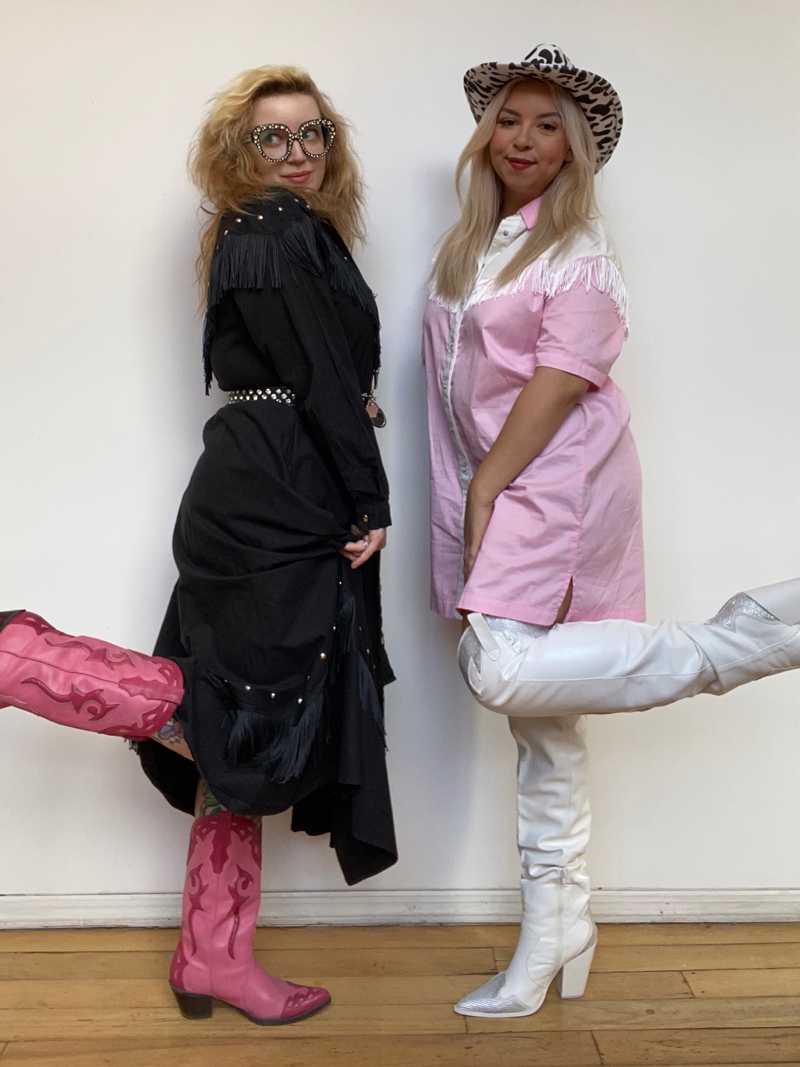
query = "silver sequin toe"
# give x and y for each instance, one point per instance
(738, 606)
(487, 1001)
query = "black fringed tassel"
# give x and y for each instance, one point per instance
(368, 694)
(286, 751)
(367, 690)
(281, 748)
(252, 261)
(208, 333)
(346, 278)
(346, 626)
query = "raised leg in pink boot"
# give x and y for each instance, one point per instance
(214, 957)
(84, 682)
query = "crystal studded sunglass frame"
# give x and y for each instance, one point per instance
(254, 135)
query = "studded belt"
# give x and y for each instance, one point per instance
(276, 393)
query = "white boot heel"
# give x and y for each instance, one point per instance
(573, 976)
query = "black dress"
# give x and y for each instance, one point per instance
(279, 640)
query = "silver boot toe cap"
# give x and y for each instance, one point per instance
(488, 1001)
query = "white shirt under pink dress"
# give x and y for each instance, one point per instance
(574, 513)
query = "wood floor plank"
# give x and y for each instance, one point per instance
(306, 937)
(761, 982)
(681, 1048)
(379, 937)
(670, 957)
(696, 933)
(412, 989)
(359, 962)
(337, 1020)
(290, 963)
(441, 936)
(643, 985)
(741, 1013)
(86, 993)
(21, 966)
(94, 940)
(155, 993)
(451, 1050)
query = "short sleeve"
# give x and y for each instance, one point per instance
(582, 333)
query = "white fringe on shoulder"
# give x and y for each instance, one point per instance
(589, 262)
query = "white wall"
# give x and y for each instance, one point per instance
(102, 403)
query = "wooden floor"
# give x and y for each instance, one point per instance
(659, 994)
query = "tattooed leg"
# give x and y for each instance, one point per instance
(207, 804)
(171, 736)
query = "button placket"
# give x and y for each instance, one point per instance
(464, 467)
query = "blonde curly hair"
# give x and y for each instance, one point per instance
(224, 170)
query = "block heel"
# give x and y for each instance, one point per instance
(193, 1005)
(573, 976)
(7, 616)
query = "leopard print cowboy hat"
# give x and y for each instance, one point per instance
(596, 97)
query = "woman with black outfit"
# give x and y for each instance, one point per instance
(266, 690)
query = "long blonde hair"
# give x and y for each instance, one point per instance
(224, 170)
(568, 203)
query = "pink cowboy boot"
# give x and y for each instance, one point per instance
(214, 957)
(83, 682)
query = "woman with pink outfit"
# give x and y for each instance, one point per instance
(536, 492)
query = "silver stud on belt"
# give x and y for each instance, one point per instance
(277, 393)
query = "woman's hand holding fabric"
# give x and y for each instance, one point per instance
(369, 542)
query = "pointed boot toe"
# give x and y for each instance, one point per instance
(489, 1001)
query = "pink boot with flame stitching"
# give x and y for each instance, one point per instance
(214, 957)
(83, 682)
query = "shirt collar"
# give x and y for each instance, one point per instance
(512, 228)
(530, 212)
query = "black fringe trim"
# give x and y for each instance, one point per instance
(255, 260)
(282, 749)
(368, 694)
(280, 743)
(345, 278)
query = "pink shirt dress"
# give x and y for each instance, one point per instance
(574, 513)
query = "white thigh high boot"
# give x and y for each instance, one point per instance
(618, 665)
(557, 935)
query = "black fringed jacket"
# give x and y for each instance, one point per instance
(281, 292)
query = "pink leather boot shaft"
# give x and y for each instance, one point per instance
(83, 682)
(214, 957)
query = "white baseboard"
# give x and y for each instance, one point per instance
(364, 907)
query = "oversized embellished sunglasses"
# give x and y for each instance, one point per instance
(276, 141)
